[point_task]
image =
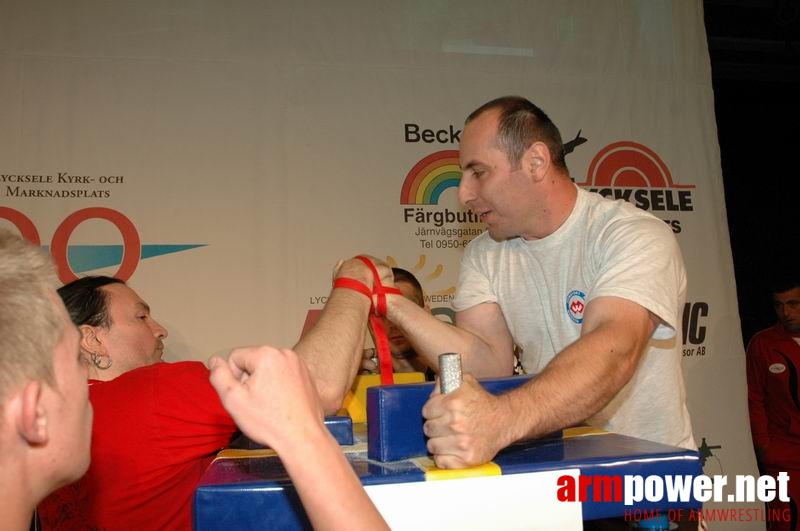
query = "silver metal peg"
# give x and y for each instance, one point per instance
(449, 371)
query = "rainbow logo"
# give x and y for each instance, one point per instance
(628, 164)
(430, 177)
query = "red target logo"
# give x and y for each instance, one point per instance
(627, 164)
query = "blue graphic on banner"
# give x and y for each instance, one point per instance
(84, 258)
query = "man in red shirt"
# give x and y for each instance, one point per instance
(773, 362)
(158, 425)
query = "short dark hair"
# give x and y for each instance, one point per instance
(782, 282)
(521, 124)
(402, 275)
(86, 303)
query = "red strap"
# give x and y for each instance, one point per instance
(384, 352)
(351, 283)
(380, 291)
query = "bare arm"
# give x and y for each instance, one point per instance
(481, 336)
(584, 377)
(470, 426)
(333, 348)
(270, 395)
(334, 498)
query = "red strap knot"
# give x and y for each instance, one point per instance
(377, 311)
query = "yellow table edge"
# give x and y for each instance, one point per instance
(423, 463)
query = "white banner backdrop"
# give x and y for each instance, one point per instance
(230, 152)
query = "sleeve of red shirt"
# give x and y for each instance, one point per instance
(756, 392)
(188, 409)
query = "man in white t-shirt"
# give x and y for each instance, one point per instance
(589, 290)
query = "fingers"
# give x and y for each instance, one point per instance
(336, 269)
(442, 414)
(436, 405)
(244, 360)
(453, 450)
(384, 270)
(437, 388)
(369, 364)
(248, 360)
(222, 378)
(460, 426)
(434, 429)
(470, 380)
(241, 365)
(449, 461)
(262, 387)
(457, 450)
(356, 269)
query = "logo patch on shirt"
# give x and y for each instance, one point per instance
(576, 302)
(777, 368)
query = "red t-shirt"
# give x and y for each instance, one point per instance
(155, 431)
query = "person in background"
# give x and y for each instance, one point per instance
(158, 425)
(46, 417)
(773, 362)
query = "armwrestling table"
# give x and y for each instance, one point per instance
(250, 489)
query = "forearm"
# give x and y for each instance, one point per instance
(331, 493)
(430, 337)
(575, 385)
(332, 349)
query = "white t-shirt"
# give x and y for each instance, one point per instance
(604, 248)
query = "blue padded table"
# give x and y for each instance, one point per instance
(251, 490)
